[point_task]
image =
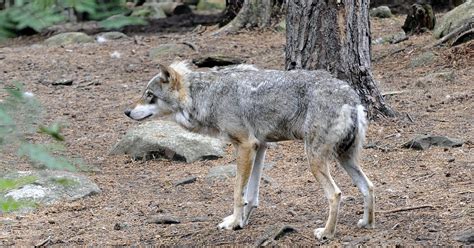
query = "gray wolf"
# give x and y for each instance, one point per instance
(251, 107)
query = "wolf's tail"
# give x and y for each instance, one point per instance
(348, 131)
(361, 129)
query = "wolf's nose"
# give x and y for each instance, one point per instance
(127, 112)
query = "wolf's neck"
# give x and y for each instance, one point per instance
(194, 112)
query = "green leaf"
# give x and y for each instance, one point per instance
(54, 131)
(38, 154)
(7, 184)
(9, 204)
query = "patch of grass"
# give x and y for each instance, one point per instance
(65, 182)
(9, 204)
(14, 183)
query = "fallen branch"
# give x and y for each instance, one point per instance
(404, 209)
(454, 34)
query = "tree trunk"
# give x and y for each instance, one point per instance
(232, 8)
(421, 18)
(254, 13)
(319, 36)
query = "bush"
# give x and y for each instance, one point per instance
(32, 16)
(20, 123)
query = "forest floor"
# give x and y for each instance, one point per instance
(432, 89)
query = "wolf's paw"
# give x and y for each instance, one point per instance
(365, 224)
(231, 223)
(322, 235)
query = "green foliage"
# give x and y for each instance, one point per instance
(13, 183)
(9, 204)
(54, 131)
(34, 17)
(37, 15)
(20, 118)
(65, 182)
(121, 21)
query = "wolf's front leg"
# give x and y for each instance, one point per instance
(251, 195)
(245, 158)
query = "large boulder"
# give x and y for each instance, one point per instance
(68, 38)
(381, 12)
(22, 191)
(166, 139)
(150, 11)
(455, 19)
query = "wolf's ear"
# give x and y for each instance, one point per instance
(165, 73)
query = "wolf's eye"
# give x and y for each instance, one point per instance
(149, 93)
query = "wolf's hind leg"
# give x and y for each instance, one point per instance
(251, 195)
(350, 164)
(319, 165)
(246, 152)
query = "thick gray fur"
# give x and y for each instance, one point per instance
(273, 105)
(250, 107)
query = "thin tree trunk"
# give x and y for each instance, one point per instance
(321, 37)
(356, 57)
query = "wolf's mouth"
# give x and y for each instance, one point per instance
(146, 117)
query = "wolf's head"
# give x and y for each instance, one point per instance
(163, 94)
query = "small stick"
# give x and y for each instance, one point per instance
(44, 242)
(390, 93)
(191, 45)
(423, 177)
(409, 118)
(404, 209)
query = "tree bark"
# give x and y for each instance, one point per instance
(321, 36)
(232, 8)
(254, 13)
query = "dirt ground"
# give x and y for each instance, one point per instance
(133, 192)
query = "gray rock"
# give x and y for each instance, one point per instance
(222, 172)
(169, 49)
(49, 186)
(424, 142)
(381, 12)
(423, 59)
(454, 19)
(150, 11)
(68, 38)
(230, 170)
(438, 77)
(466, 236)
(393, 38)
(28, 191)
(111, 36)
(158, 139)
